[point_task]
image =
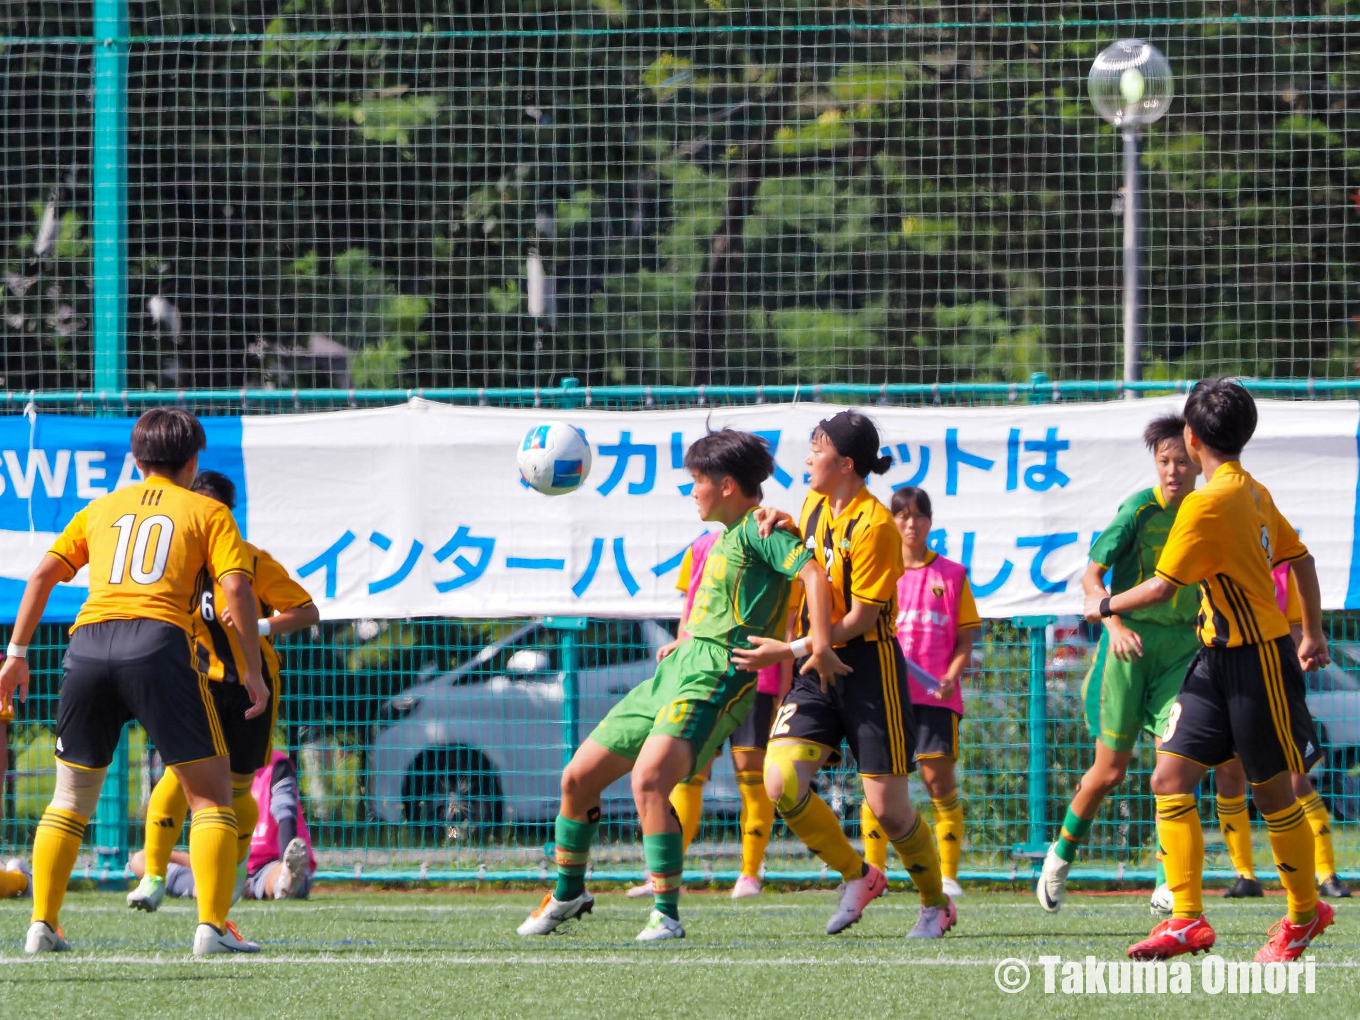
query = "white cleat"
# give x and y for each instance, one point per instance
(660, 928)
(951, 887)
(638, 891)
(293, 871)
(855, 896)
(933, 922)
(42, 939)
(148, 894)
(553, 912)
(1052, 886)
(208, 941)
(746, 886)
(1162, 902)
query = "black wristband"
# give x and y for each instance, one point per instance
(1105, 612)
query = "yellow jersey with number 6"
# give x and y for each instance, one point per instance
(145, 546)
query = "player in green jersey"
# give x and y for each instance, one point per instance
(668, 728)
(1142, 657)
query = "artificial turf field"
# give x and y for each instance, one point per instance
(374, 955)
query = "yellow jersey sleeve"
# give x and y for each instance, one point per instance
(1285, 546)
(275, 587)
(1192, 548)
(226, 550)
(876, 565)
(686, 569)
(967, 611)
(72, 546)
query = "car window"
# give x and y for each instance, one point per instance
(607, 643)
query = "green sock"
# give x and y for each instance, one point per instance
(665, 854)
(1161, 870)
(573, 851)
(1074, 829)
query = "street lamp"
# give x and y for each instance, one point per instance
(1131, 86)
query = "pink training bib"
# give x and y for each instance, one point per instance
(767, 680)
(1281, 577)
(928, 623)
(264, 841)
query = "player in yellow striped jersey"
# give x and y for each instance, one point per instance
(283, 607)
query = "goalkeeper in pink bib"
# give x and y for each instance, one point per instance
(937, 620)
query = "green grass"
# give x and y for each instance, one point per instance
(449, 954)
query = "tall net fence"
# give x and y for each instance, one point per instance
(403, 195)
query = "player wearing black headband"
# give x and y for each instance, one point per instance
(855, 541)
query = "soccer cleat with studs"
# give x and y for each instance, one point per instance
(661, 928)
(42, 938)
(1051, 888)
(148, 894)
(209, 941)
(642, 889)
(1333, 888)
(1288, 940)
(855, 896)
(1244, 888)
(951, 888)
(745, 887)
(552, 913)
(1173, 937)
(933, 922)
(292, 871)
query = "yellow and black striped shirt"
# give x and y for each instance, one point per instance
(1227, 538)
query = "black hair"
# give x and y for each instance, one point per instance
(1164, 429)
(853, 435)
(910, 496)
(1222, 414)
(217, 486)
(166, 438)
(741, 456)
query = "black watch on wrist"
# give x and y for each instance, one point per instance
(1105, 612)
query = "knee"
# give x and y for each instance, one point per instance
(782, 781)
(1105, 778)
(77, 790)
(647, 785)
(1164, 784)
(575, 784)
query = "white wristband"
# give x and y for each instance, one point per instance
(265, 627)
(799, 648)
(16, 651)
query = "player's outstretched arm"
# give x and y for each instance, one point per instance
(1126, 644)
(294, 619)
(1313, 652)
(240, 597)
(14, 674)
(821, 658)
(1152, 592)
(768, 518)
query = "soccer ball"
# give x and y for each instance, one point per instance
(554, 458)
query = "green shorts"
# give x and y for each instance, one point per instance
(696, 695)
(1124, 698)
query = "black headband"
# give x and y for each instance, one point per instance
(853, 436)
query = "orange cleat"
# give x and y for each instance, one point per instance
(1174, 936)
(1289, 940)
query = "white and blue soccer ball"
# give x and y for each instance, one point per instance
(554, 458)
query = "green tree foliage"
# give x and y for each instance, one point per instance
(419, 193)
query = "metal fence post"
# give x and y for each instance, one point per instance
(570, 628)
(109, 180)
(1036, 784)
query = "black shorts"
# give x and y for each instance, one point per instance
(249, 741)
(122, 670)
(870, 709)
(937, 732)
(754, 732)
(1250, 700)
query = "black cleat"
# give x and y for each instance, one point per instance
(1333, 888)
(1244, 889)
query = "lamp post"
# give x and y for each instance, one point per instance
(1131, 87)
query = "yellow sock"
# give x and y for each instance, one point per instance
(1182, 841)
(1324, 860)
(820, 830)
(688, 800)
(875, 843)
(757, 819)
(1291, 841)
(165, 814)
(12, 883)
(949, 832)
(212, 854)
(917, 850)
(55, 846)
(1236, 825)
(247, 814)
